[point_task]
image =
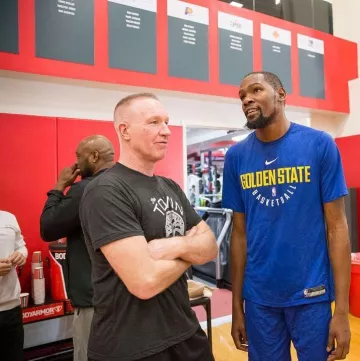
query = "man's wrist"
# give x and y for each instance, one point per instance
(182, 244)
(238, 305)
(341, 309)
(59, 187)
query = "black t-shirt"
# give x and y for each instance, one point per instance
(124, 203)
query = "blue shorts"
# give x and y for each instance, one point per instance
(270, 329)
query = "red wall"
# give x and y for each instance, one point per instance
(28, 169)
(33, 151)
(350, 149)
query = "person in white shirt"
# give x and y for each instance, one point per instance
(13, 252)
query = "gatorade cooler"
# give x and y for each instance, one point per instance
(354, 296)
(58, 270)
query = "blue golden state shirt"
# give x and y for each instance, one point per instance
(281, 187)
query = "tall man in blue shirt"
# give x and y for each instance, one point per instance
(290, 248)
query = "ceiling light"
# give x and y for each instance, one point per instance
(234, 3)
(328, 1)
(238, 138)
(277, 2)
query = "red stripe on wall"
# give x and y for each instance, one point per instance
(101, 33)
(295, 65)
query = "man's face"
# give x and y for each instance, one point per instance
(148, 131)
(259, 101)
(83, 162)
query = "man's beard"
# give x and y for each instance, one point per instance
(261, 121)
(86, 171)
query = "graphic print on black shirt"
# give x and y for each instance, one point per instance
(173, 212)
(120, 204)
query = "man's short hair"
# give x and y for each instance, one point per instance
(270, 78)
(130, 98)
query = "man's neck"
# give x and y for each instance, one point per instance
(141, 166)
(103, 167)
(274, 131)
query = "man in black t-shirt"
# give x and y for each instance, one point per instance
(142, 235)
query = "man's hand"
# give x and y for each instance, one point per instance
(5, 267)
(339, 331)
(17, 259)
(238, 331)
(168, 248)
(67, 177)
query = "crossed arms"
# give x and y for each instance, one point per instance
(147, 269)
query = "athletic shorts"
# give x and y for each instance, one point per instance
(269, 331)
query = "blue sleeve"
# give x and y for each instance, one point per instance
(332, 179)
(231, 194)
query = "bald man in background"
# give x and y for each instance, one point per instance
(60, 218)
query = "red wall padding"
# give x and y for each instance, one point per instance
(28, 169)
(350, 149)
(33, 151)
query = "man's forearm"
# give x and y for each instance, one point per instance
(197, 249)
(49, 227)
(200, 248)
(340, 256)
(159, 275)
(60, 187)
(167, 272)
(60, 215)
(238, 263)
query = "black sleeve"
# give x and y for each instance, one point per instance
(192, 217)
(60, 215)
(108, 214)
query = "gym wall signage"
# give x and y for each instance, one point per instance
(195, 46)
(132, 35)
(276, 53)
(235, 48)
(188, 40)
(64, 30)
(311, 67)
(9, 26)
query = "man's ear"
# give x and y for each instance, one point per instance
(124, 130)
(95, 156)
(282, 95)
